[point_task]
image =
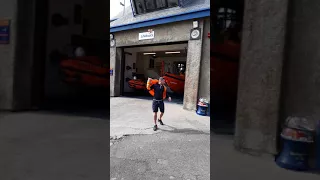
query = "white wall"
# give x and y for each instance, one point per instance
(129, 60)
(169, 62)
(58, 38)
(155, 73)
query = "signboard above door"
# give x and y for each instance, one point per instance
(4, 31)
(146, 35)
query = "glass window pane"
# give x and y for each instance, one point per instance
(161, 4)
(173, 3)
(150, 5)
(139, 6)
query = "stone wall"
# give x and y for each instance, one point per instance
(204, 90)
(301, 85)
(260, 75)
(175, 33)
(8, 11)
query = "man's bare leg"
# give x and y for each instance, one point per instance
(155, 116)
(161, 114)
(160, 120)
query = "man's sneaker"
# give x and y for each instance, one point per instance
(155, 127)
(160, 121)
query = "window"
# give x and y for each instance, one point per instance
(150, 5)
(173, 3)
(145, 6)
(180, 67)
(161, 4)
(226, 18)
(140, 6)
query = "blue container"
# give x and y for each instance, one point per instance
(294, 155)
(202, 110)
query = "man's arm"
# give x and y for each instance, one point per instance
(168, 94)
(149, 87)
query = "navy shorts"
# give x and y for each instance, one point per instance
(158, 105)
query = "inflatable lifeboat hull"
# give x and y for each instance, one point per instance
(137, 84)
(175, 82)
(89, 71)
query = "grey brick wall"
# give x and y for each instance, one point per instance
(7, 55)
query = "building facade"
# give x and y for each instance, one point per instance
(279, 66)
(170, 25)
(279, 70)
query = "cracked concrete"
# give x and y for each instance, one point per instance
(178, 150)
(161, 156)
(130, 116)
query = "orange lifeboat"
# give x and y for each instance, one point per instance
(137, 84)
(175, 82)
(89, 71)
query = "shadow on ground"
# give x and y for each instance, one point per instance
(93, 105)
(181, 131)
(222, 120)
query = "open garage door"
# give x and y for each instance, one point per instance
(168, 61)
(75, 64)
(225, 59)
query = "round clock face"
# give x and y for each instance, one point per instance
(195, 33)
(111, 36)
(112, 43)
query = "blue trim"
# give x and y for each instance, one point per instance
(163, 20)
(133, 10)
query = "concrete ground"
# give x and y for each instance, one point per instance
(178, 150)
(161, 156)
(72, 145)
(51, 146)
(227, 163)
(130, 116)
(182, 149)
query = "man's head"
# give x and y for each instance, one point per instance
(162, 81)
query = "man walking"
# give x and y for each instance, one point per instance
(159, 94)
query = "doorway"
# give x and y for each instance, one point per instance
(225, 59)
(154, 61)
(71, 63)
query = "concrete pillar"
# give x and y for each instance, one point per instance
(302, 68)
(193, 72)
(24, 58)
(204, 86)
(16, 65)
(262, 55)
(8, 10)
(116, 57)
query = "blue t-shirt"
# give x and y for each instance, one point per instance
(158, 91)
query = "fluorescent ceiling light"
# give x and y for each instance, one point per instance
(149, 53)
(175, 52)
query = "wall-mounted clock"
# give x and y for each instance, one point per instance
(195, 34)
(112, 43)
